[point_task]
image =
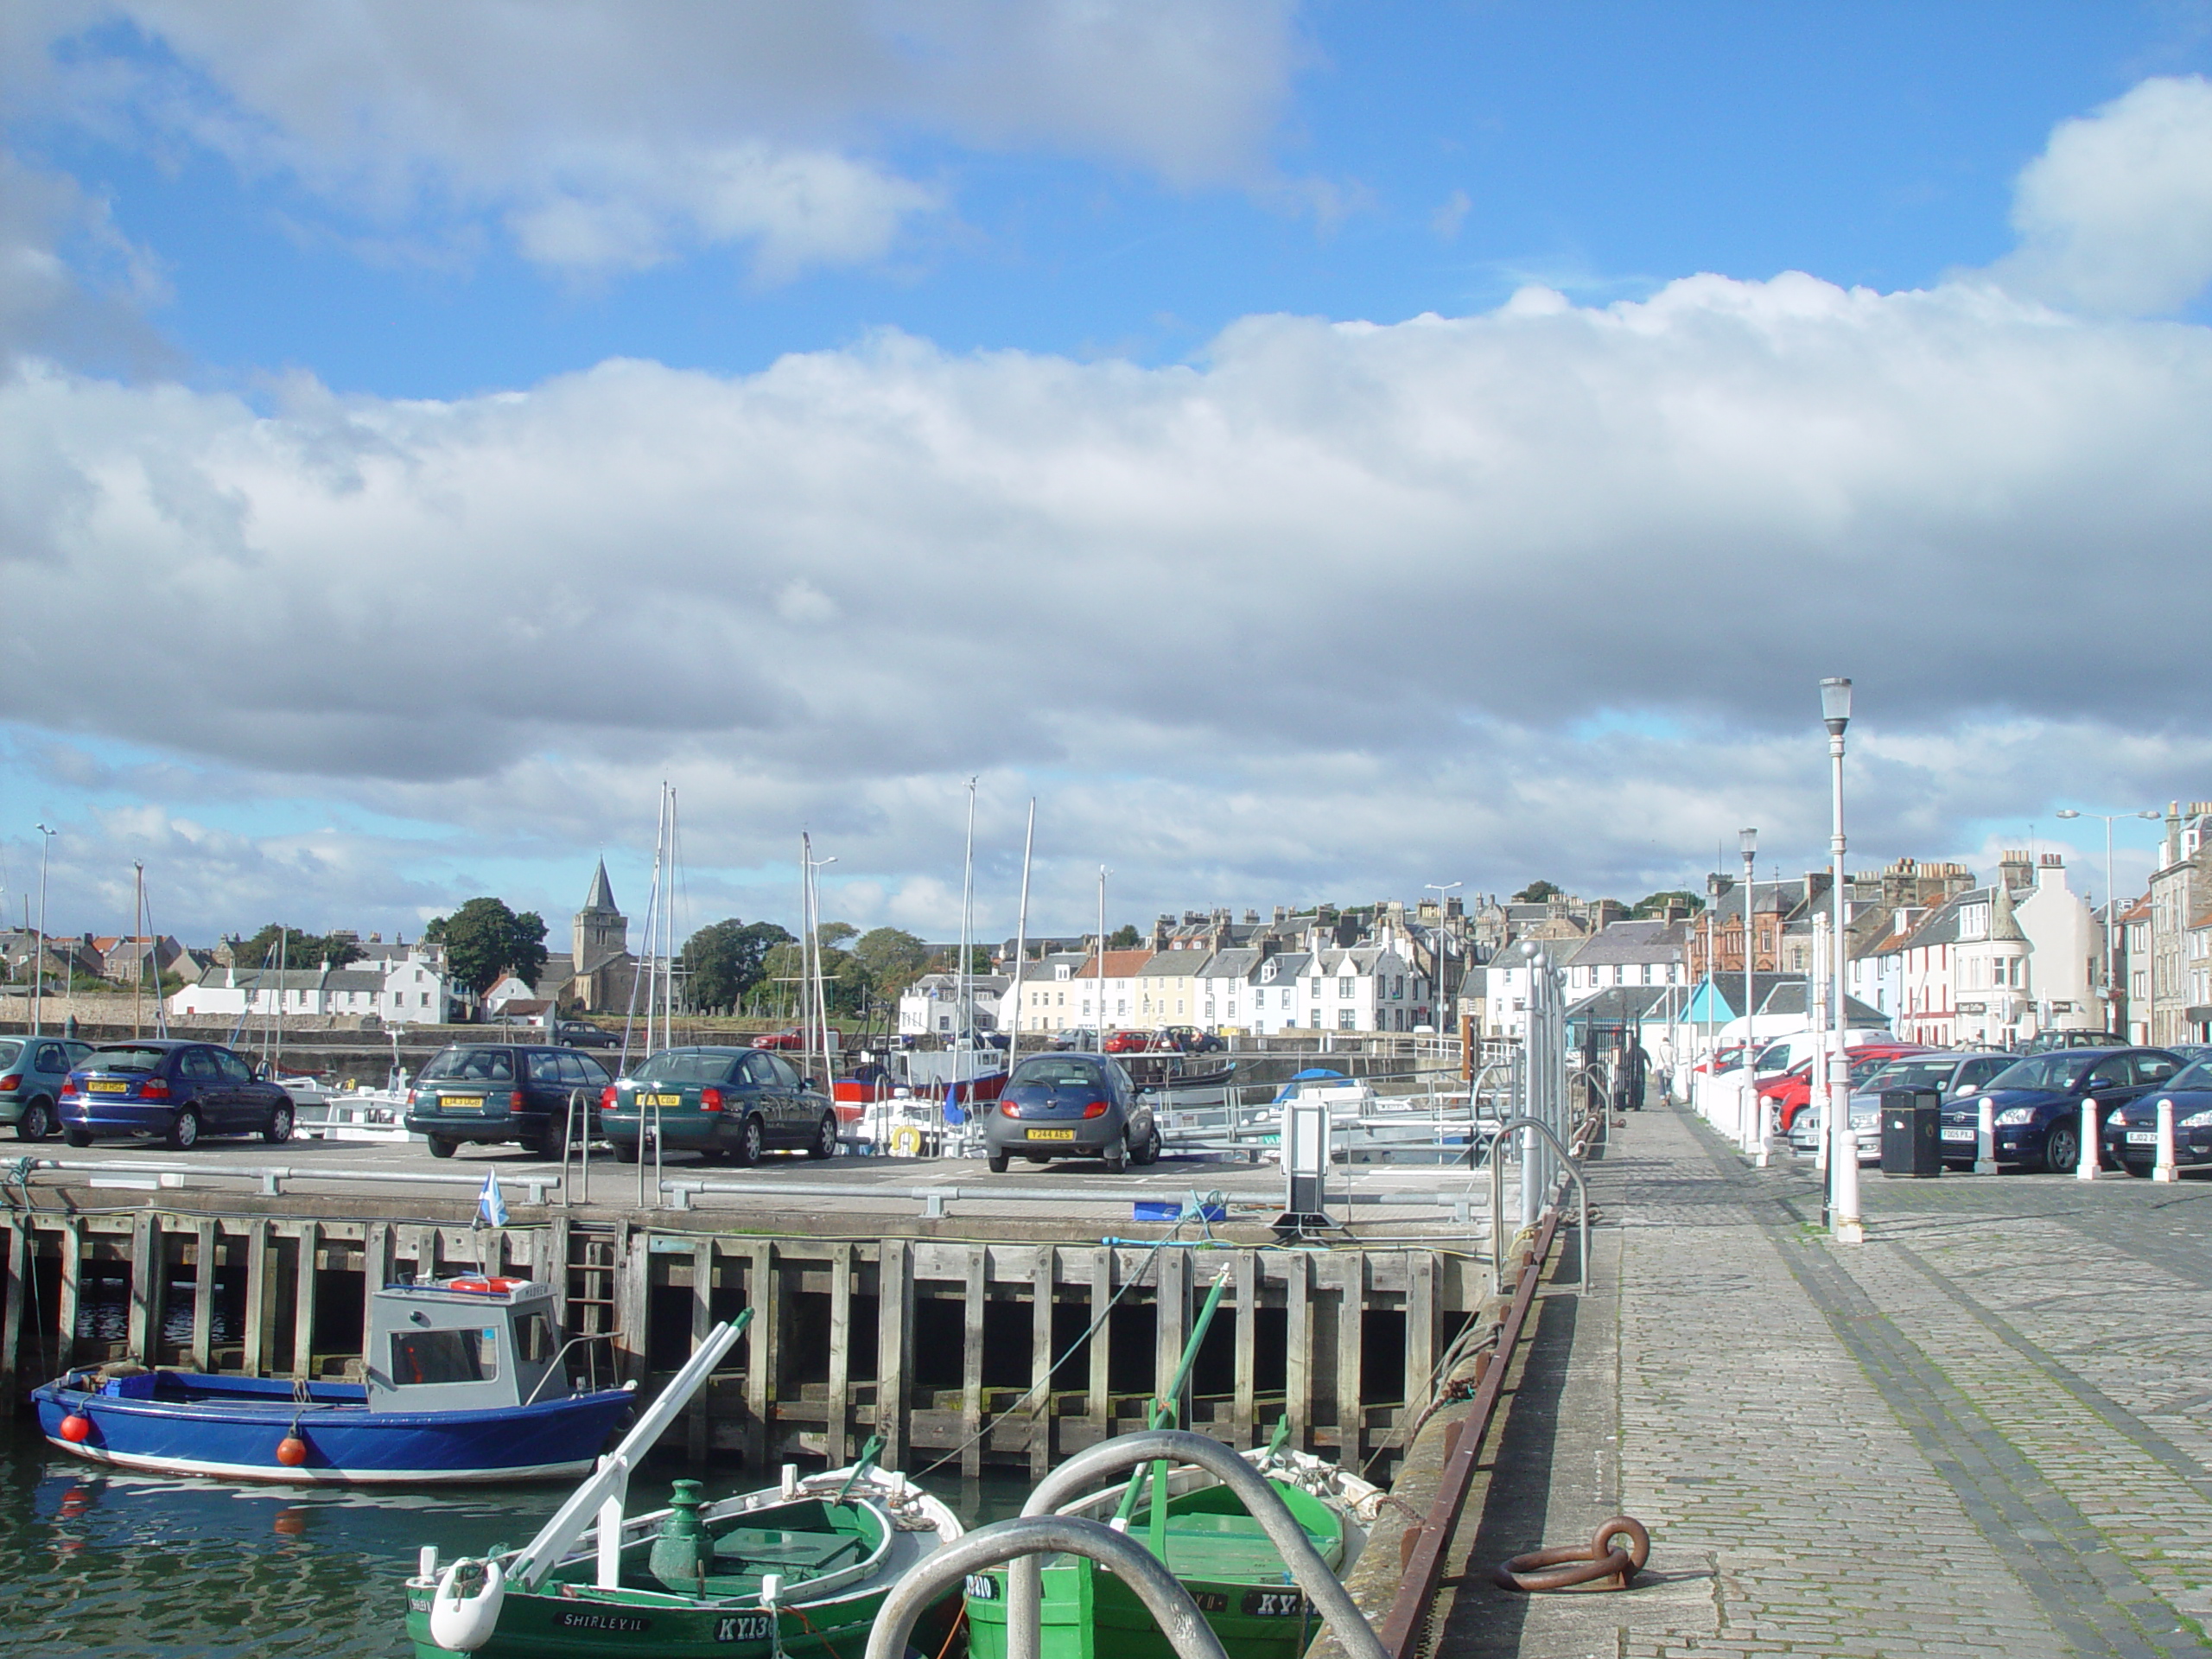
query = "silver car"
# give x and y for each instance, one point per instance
(1953, 1076)
(1070, 1106)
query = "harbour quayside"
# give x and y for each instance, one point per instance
(466, 1380)
(791, 1570)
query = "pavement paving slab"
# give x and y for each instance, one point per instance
(1985, 1432)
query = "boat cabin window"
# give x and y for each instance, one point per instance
(536, 1340)
(445, 1356)
(479, 1064)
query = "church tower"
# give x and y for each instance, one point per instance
(601, 931)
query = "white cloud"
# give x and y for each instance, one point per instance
(2115, 216)
(609, 136)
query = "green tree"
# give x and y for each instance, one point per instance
(948, 962)
(1652, 904)
(299, 950)
(485, 939)
(724, 960)
(892, 957)
(1536, 893)
(1125, 938)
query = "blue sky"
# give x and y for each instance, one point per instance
(997, 402)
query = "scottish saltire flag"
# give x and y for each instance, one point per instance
(952, 1112)
(492, 1203)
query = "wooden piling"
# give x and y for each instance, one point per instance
(207, 1251)
(894, 1323)
(834, 1433)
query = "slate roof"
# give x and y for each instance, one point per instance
(1175, 963)
(1634, 942)
(602, 892)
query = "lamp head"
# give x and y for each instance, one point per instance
(1836, 705)
(2067, 812)
(1748, 841)
(2148, 813)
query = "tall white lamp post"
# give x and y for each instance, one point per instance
(1844, 1219)
(1437, 1001)
(38, 976)
(2113, 993)
(1748, 1125)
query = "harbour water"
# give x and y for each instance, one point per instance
(129, 1567)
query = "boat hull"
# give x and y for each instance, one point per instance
(231, 1427)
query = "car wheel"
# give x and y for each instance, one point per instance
(442, 1147)
(625, 1152)
(184, 1132)
(997, 1161)
(751, 1142)
(37, 1122)
(1149, 1152)
(2061, 1149)
(280, 1126)
(77, 1137)
(825, 1144)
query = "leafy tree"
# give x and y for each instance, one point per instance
(299, 950)
(724, 960)
(892, 957)
(948, 962)
(782, 988)
(1654, 902)
(485, 939)
(1124, 937)
(836, 932)
(1537, 893)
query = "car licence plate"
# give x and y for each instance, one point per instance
(660, 1100)
(102, 1086)
(1960, 1134)
(462, 1103)
(1051, 1134)
(2142, 1137)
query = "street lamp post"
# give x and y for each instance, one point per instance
(1436, 1015)
(2113, 996)
(1844, 1219)
(1747, 1126)
(38, 976)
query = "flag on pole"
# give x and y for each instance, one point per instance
(492, 1203)
(952, 1112)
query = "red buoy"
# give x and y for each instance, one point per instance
(75, 1427)
(291, 1451)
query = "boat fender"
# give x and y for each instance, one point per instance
(291, 1451)
(771, 1590)
(484, 1286)
(790, 1480)
(463, 1623)
(76, 1428)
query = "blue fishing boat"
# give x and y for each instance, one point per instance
(464, 1379)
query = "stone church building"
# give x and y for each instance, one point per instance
(597, 974)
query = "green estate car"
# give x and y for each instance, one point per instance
(34, 1071)
(733, 1104)
(532, 1094)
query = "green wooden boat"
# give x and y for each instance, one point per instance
(1219, 1552)
(798, 1570)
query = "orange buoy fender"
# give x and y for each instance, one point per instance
(76, 1428)
(291, 1451)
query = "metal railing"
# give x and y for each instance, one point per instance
(933, 1200)
(271, 1177)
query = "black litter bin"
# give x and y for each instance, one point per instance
(1912, 1132)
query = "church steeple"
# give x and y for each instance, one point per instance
(601, 896)
(601, 931)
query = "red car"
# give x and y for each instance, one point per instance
(1793, 1090)
(793, 1039)
(1129, 1042)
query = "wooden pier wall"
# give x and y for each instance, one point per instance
(936, 1344)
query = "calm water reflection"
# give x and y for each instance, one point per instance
(116, 1564)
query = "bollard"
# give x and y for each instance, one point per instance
(2090, 1150)
(2166, 1169)
(1985, 1139)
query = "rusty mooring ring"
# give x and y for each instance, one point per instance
(1599, 1568)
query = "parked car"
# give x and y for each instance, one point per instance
(2038, 1100)
(1070, 1106)
(719, 1103)
(34, 1071)
(1792, 1091)
(2043, 1042)
(1127, 1042)
(488, 1093)
(2131, 1133)
(581, 1034)
(1950, 1075)
(171, 1088)
(795, 1039)
(1189, 1039)
(1077, 1037)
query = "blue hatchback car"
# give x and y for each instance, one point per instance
(175, 1090)
(2040, 1099)
(2131, 1133)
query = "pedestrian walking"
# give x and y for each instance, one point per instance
(1631, 1075)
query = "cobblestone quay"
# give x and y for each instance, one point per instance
(1984, 1432)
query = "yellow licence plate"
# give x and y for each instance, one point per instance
(660, 1100)
(462, 1103)
(101, 1086)
(1051, 1134)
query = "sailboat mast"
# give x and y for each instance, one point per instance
(667, 936)
(138, 979)
(965, 1037)
(1102, 957)
(1012, 998)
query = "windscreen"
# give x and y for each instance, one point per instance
(125, 1058)
(676, 1066)
(1056, 1074)
(9, 1050)
(1913, 1074)
(2198, 1075)
(471, 1066)
(2045, 1071)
